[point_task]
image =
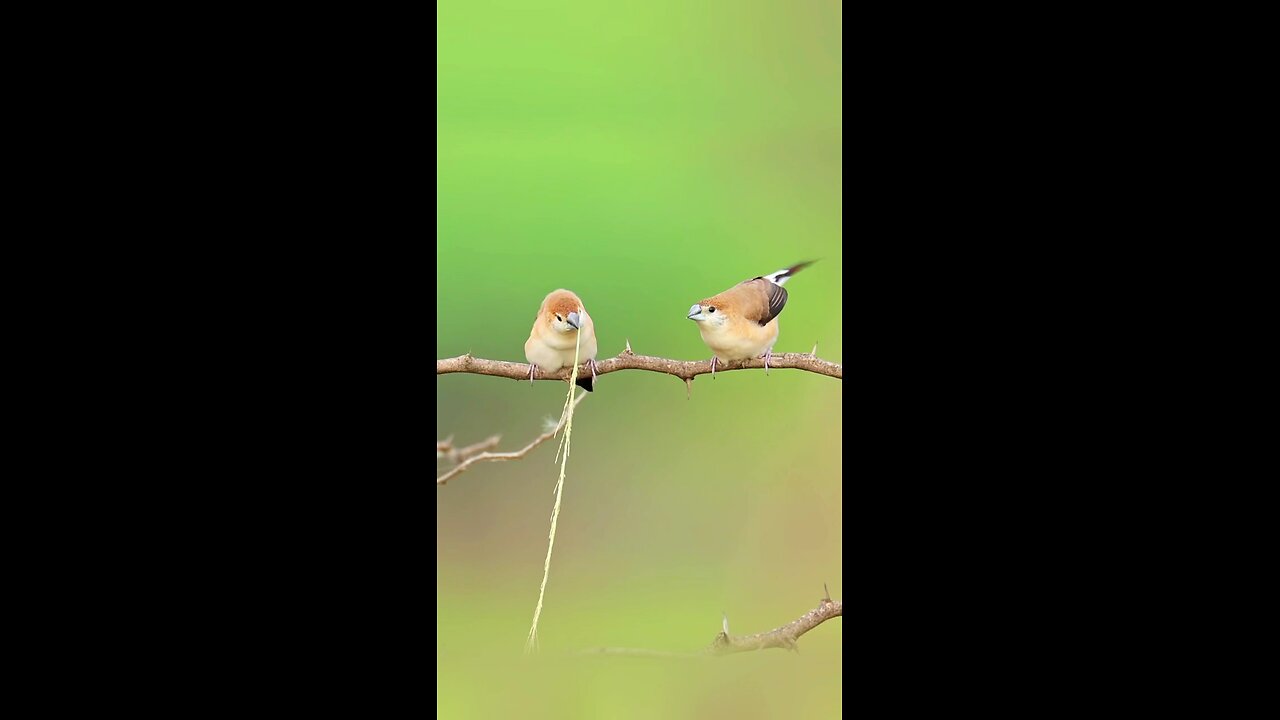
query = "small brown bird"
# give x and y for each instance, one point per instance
(742, 322)
(554, 337)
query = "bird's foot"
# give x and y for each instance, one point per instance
(593, 370)
(532, 369)
(768, 355)
(713, 367)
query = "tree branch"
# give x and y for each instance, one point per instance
(783, 637)
(626, 360)
(446, 451)
(726, 644)
(501, 456)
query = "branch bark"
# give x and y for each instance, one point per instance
(726, 644)
(686, 370)
(783, 637)
(447, 452)
(482, 457)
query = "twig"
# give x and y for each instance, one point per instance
(726, 644)
(507, 455)
(626, 360)
(783, 637)
(446, 451)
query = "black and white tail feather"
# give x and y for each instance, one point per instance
(781, 277)
(777, 296)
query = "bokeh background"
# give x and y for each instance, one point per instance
(644, 155)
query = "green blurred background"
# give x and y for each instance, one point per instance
(644, 155)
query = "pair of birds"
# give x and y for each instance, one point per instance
(739, 323)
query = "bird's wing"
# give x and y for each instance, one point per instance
(759, 299)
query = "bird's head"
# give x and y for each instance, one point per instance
(711, 313)
(563, 311)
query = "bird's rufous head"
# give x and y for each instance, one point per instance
(562, 310)
(712, 311)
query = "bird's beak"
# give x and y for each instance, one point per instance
(573, 320)
(695, 313)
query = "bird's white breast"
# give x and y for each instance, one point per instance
(551, 350)
(740, 340)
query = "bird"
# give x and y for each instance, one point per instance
(561, 318)
(742, 322)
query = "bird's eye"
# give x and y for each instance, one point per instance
(559, 318)
(711, 309)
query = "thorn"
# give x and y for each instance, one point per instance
(628, 350)
(726, 622)
(826, 593)
(688, 388)
(814, 352)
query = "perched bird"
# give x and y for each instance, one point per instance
(554, 337)
(742, 322)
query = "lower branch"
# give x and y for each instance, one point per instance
(783, 637)
(726, 644)
(447, 452)
(501, 456)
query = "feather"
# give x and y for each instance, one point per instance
(781, 277)
(757, 300)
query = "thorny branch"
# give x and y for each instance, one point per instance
(686, 370)
(783, 637)
(726, 644)
(500, 456)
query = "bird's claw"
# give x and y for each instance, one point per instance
(713, 367)
(532, 369)
(768, 355)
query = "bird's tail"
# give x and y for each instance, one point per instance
(782, 276)
(585, 383)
